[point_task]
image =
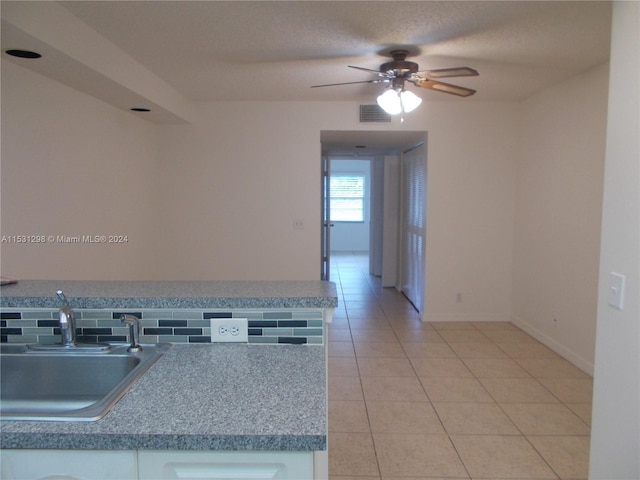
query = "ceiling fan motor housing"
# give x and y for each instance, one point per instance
(399, 66)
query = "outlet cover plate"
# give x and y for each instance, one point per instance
(229, 330)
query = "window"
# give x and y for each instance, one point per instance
(347, 197)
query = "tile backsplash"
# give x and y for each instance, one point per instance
(304, 326)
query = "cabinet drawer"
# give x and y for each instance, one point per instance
(177, 465)
(68, 465)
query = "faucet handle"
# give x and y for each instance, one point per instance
(62, 297)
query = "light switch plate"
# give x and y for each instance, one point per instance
(616, 290)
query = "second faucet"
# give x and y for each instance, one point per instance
(134, 330)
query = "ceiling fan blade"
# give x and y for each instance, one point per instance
(444, 87)
(366, 69)
(348, 83)
(449, 72)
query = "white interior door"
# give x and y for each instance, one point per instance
(414, 176)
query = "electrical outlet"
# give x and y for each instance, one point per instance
(230, 330)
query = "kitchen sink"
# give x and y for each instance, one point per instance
(73, 384)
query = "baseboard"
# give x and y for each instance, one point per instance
(554, 345)
(465, 317)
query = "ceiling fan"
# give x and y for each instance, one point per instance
(399, 71)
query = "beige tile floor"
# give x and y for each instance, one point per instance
(470, 400)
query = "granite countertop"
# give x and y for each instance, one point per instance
(204, 397)
(171, 294)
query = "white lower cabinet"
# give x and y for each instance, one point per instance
(180, 465)
(155, 465)
(68, 465)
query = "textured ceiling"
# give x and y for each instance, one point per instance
(168, 54)
(265, 50)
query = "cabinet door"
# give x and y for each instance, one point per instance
(176, 465)
(68, 465)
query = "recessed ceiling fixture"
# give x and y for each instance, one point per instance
(360, 146)
(14, 52)
(395, 98)
(140, 109)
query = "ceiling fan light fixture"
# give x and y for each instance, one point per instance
(410, 101)
(394, 102)
(389, 101)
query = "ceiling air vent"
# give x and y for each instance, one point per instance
(373, 114)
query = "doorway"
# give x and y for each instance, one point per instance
(346, 213)
(383, 150)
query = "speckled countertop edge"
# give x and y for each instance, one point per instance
(171, 294)
(204, 397)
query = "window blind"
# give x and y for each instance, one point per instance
(347, 197)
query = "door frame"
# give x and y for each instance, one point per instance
(325, 216)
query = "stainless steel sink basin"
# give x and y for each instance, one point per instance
(68, 385)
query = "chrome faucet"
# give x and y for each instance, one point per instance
(134, 330)
(67, 322)
(69, 343)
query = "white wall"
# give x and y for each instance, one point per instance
(558, 210)
(74, 166)
(615, 437)
(232, 184)
(471, 155)
(352, 236)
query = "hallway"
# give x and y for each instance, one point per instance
(468, 400)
